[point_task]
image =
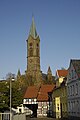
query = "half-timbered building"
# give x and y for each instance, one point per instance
(39, 99)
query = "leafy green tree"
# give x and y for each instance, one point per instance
(4, 96)
(10, 76)
(17, 97)
(18, 74)
(18, 87)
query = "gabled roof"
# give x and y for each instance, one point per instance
(31, 92)
(42, 97)
(62, 73)
(41, 93)
(46, 88)
(76, 65)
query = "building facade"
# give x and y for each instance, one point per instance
(59, 95)
(73, 88)
(60, 101)
(36, 98)
(60, 75)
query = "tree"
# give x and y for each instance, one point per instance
(4, 96)
(18, 74)
(10, 76)
(17, 97)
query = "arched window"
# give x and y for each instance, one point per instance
(37, 45)
(30, 49)
(37, 51)
(30, 45)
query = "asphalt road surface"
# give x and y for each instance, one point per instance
(45, 118)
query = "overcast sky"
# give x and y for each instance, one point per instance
(57, 23)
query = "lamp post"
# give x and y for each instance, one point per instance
(10, 96)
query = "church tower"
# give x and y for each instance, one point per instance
(49, 74)
(33, 54)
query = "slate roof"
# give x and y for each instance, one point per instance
(41, 93)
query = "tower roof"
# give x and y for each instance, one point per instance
(33, 31)
(49, 70)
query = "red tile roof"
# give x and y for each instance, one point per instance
(62, 73)
(46, 88)
(31, 92)
(41, 93)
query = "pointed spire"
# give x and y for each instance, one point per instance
(49, 74)
(49, 70)
(33, 31)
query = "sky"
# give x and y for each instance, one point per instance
(58, 26)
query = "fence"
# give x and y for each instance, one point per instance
(4, 116)
(19, 117)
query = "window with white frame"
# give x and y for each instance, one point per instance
(77, 106)
(73, 90)
(73, 106)
(29, 100)
(69, 106)
(76, 89)
(34, 100)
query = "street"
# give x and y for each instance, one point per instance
(44, 118)
(23, 117)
